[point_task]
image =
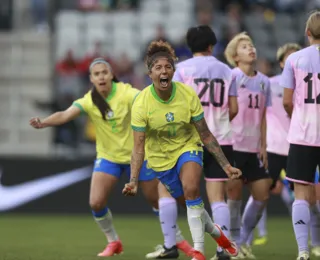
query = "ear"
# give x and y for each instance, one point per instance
(91, 80)
(149, 74)
(308, 33)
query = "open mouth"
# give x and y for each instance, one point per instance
(164, 82)
(102, 84)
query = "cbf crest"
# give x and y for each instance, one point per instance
(170, 117)
(110, 114)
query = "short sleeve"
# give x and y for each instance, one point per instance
(196, 108)
(287, 79)
(177, 76)
(82, 103)
(268, 94)
(138, 116)
(132, 93)
(233, 92)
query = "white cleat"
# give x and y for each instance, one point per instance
(303, 256)
(247, 251)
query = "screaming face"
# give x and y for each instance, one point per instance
(161, 73)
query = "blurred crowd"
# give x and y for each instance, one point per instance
(72, 79)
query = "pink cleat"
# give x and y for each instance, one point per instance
(197, 255)
(113, 248)
(185, 247)
(228, 246)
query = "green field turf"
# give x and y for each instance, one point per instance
(24, 237)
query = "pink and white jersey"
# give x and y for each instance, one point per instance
(278, 121)
(253, 97)
(211, 80)
(302, 74)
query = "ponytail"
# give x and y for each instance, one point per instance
(97, 99)
(100, 103)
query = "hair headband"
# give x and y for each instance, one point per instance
(100, 60)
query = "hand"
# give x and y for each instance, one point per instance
(263, 157)
(130, 189)
(233, 173)
(35, 122)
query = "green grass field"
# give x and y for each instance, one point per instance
(24, 237)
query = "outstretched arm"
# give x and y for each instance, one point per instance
(211, 143)
(58, 118)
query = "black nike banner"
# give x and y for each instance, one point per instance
(62, 186)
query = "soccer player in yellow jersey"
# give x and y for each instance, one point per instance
(108, 106)
(168, 123)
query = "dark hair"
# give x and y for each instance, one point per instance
(200, 38)
(100, 102)
(158, 49)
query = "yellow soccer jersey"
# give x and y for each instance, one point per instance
(168, 124)
(114, 139)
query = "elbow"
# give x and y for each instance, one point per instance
(233, 113)
(287, 104)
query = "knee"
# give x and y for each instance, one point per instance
(191, 191)
(234, 192)
(97, 204)
(263, 196)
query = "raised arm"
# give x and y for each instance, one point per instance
(58, 118)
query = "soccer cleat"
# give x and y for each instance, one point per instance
(185, 247)
(303, 256)
(247, 251)
(113, 248)
(261, 241)
(161, 252)
(316, 251)
(227, 245)
(221, 256)
(197, 255)
(239, 256)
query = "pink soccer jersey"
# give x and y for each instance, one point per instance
(302, 74)
(278, 122)
(253, 97)
(211, 80)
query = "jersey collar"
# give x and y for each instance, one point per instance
(155, 95)
(113, 91)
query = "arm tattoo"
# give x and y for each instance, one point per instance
(137, 159)
(210, 142)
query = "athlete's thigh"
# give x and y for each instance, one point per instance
(302, 164)
(105, 176)
(150, 191)
(189, 168)
(276, 163)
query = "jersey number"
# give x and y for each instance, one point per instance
(172, 131)
(310, 99)
(211, 84)
(255, 101)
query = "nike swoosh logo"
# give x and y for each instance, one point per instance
(17, 195)
(150, 113)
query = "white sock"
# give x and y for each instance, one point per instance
(179, 236)
(235, 219)
(106, 226)
(210, 228)
(195, 213)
